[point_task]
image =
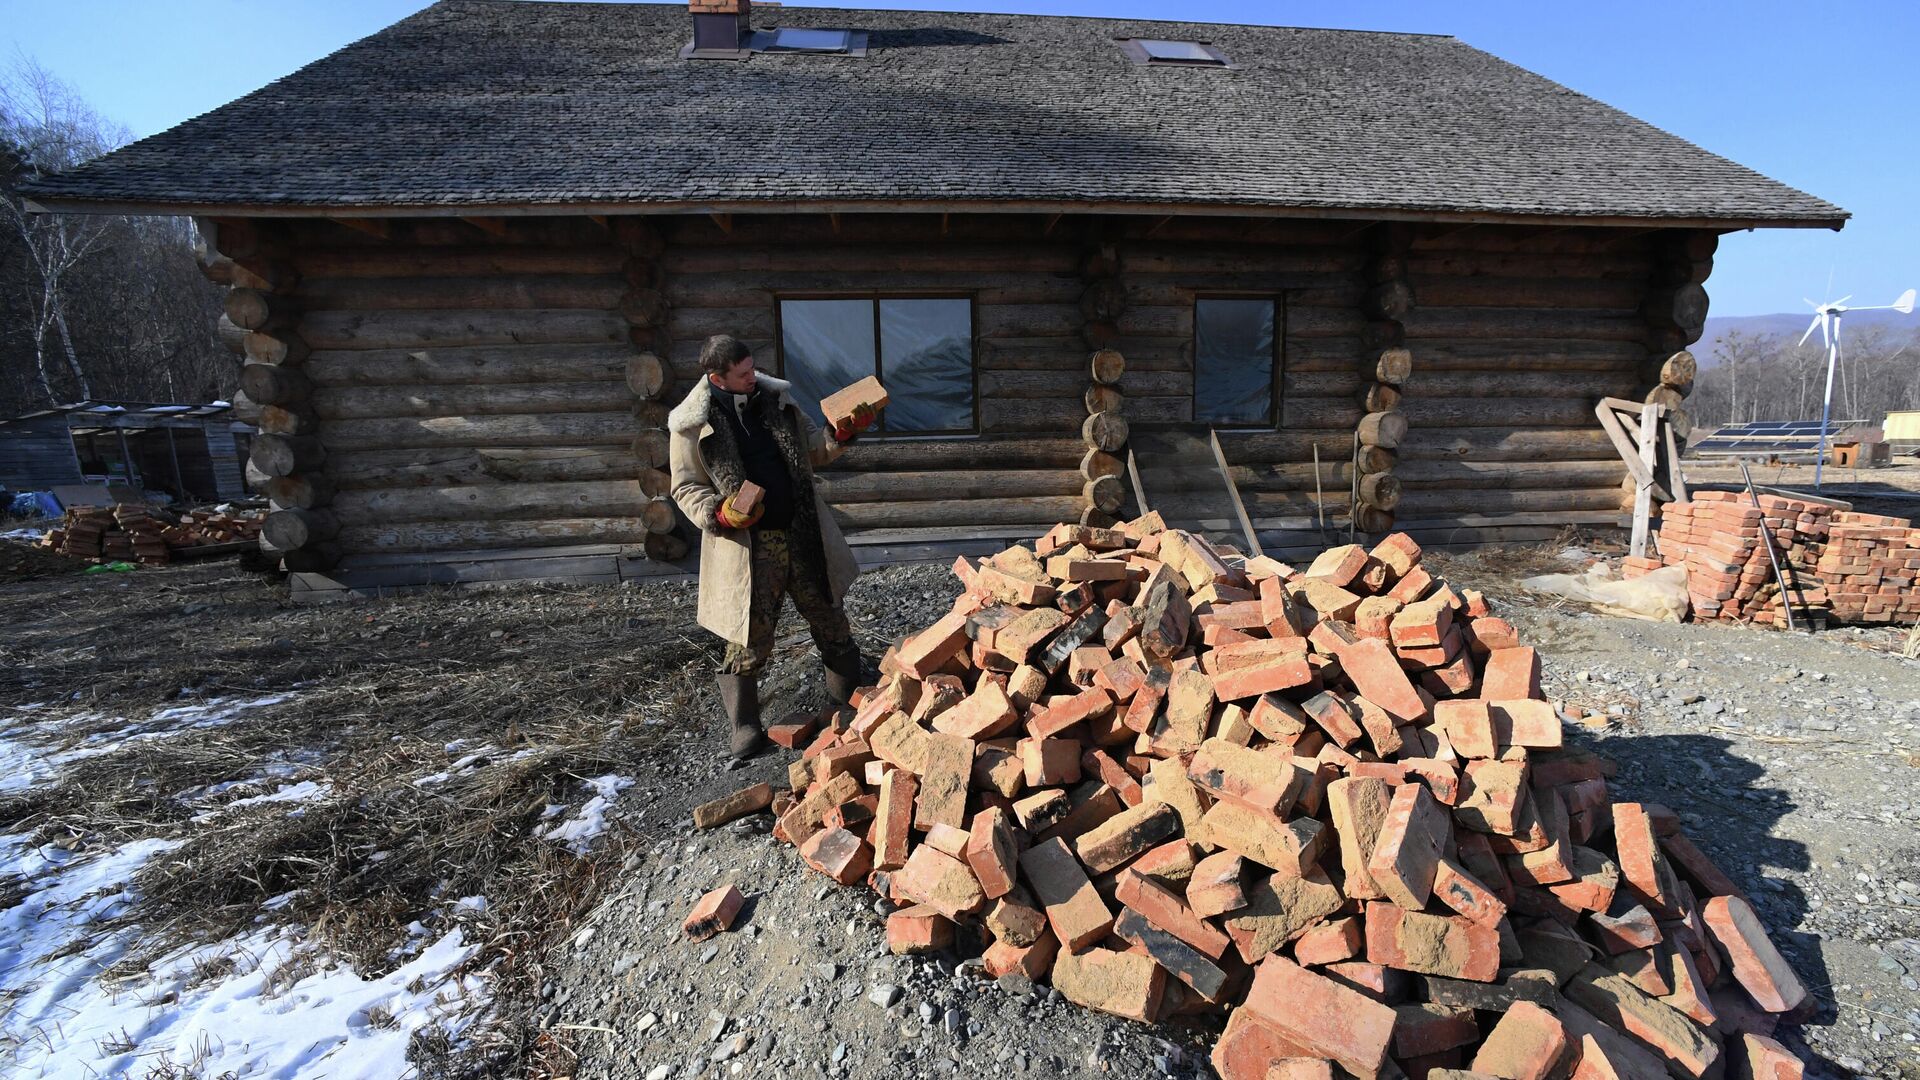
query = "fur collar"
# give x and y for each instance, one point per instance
(691, 414)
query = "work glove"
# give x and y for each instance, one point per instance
(849, 428)
(729, 518)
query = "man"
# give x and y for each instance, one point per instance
(738, 424)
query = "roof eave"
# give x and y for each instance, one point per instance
(47, 204)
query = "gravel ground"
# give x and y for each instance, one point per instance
(1792, 760)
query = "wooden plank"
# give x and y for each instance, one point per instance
(1643, 492)
(1629, 452)
(366, 560)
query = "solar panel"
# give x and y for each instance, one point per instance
(1771, 437)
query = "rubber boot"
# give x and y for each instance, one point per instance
(843, 675)
(740, 697)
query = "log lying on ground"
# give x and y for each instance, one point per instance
(1330, 803)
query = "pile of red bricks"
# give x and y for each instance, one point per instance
(1329, 804)
(1855, 568)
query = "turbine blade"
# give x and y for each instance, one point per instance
(1817, 320)
(1904, 305)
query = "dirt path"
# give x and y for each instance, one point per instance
(1792, 760)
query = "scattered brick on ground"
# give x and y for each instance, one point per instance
(1421, 884)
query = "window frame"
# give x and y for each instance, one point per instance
(879, 353)
(1276, 370)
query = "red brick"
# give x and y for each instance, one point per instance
(713, 913)
(1642, 863)
(1691, 861)
(1050, 762)
(1389, 986)
(1596, 881)
(901, 743)
(939, 881)
(1331, 601)
(1034, 960)
(1619, 1004)
(1359, 808)
(733, 806)
(1756, 964)
(1330, 943)
(1461, 891)
(1094, 807)
(1339, 565)
(1766, 1059)
(1121, 984)
(893, 820)
(1689, 993)
(1469, 727)
(1525, 1045)
(1083, 706)
(1218, 884)
(944, 781)
(1165, 909)
(1425, 1029)
(1241, 683)
(1510, 674)
(1277, 718)
(1431, 944)
(792, 730)
(1042, 810)
(1277, 609)
(1323, 1017)
(918, 929)
(1171, 864)
(923, 655)
(985, 713)
(992, 852)
(1074, 909)
(1280, 908)
(1290, 847)
(1421, 623)
(1300, 1068)
(1407, 852)
(1186, 963)
(1531, 723)
(1625, 928)
(839, 854)
(1398, 552)
(1269, 783)
(1122, 837)
(1335, 717)
(1250, 1047)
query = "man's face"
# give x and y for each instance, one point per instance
(737, 379)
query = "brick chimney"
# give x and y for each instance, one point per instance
(720, 25)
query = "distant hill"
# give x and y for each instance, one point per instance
(1791, 325)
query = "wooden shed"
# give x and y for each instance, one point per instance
(474, 257)
(192, 452)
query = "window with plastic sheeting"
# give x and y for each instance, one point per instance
(1235, 361)
(920, 348)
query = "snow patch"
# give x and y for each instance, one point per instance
(578, 831)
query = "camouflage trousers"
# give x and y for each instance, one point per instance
(775, 578)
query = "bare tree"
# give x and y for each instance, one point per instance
(48, 128)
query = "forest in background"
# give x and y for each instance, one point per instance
(1758, 375)
(111, 308)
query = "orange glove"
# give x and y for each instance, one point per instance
(729, 518)
(850, 428)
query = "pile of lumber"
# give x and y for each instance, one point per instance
(130, 532)
(1839, 565)
(1329, 804)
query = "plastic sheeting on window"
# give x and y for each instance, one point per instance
(1233, 362)
(826, 344)
(925, 357)
(926, 362)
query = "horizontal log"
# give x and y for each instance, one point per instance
(1029, 354)
(1269, 265)
(291, 529)
(295, 419)
(666, 547)
(1383, 429)
(361, 402)
(749, 324)
(285, 455)
(759, 288)
(1561, 294)
(650, 447)
(659, 516)
(1038, 510)
(272, 384)
(488, 364)
(251, 309)
(449, 293)
(1426, 323)
(491, 502)
(1380, 491)
(1528, 355)
(1534, 239)
(1265, 447)
(649, 377)
(421, 262)
(1629, 267)
(1447, 501)
(988, 452)
(1498, 475)
(680, 261)
(478, 535)
(401, 233)
(232, 338)
(854, 487)
(1584, 385)
(1423, 411)
(1099, 399)
(547, 429)
(1586, 442)
(1069, 385)
(245, 409)
(283, 347)
(444, 329)
(1098, 463)
(304, 491)
(1106, 366)
(1029, 320)
(1003, 415)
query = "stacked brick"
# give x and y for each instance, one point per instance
(1840, 565)
(128, 532)
(1329, 804)
(1869, 565)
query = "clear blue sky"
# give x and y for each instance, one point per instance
(1822, 96)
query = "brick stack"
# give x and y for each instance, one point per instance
(1331, 805)
(1850, 567)
(1869, 565)
(134, 533)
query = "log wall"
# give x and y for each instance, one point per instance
(504, 383)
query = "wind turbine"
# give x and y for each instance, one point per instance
(1826, 319)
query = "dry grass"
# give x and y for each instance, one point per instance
(558, 685)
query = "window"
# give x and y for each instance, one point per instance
(1156, 51)
(796, 39)
(920, 348)
(1234, 360)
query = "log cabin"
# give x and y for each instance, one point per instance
(1379, 280)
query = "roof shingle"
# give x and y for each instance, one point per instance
(490, 103)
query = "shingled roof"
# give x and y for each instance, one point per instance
(474, 104)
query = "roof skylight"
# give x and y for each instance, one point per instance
(1170, 51)
(800, 39)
